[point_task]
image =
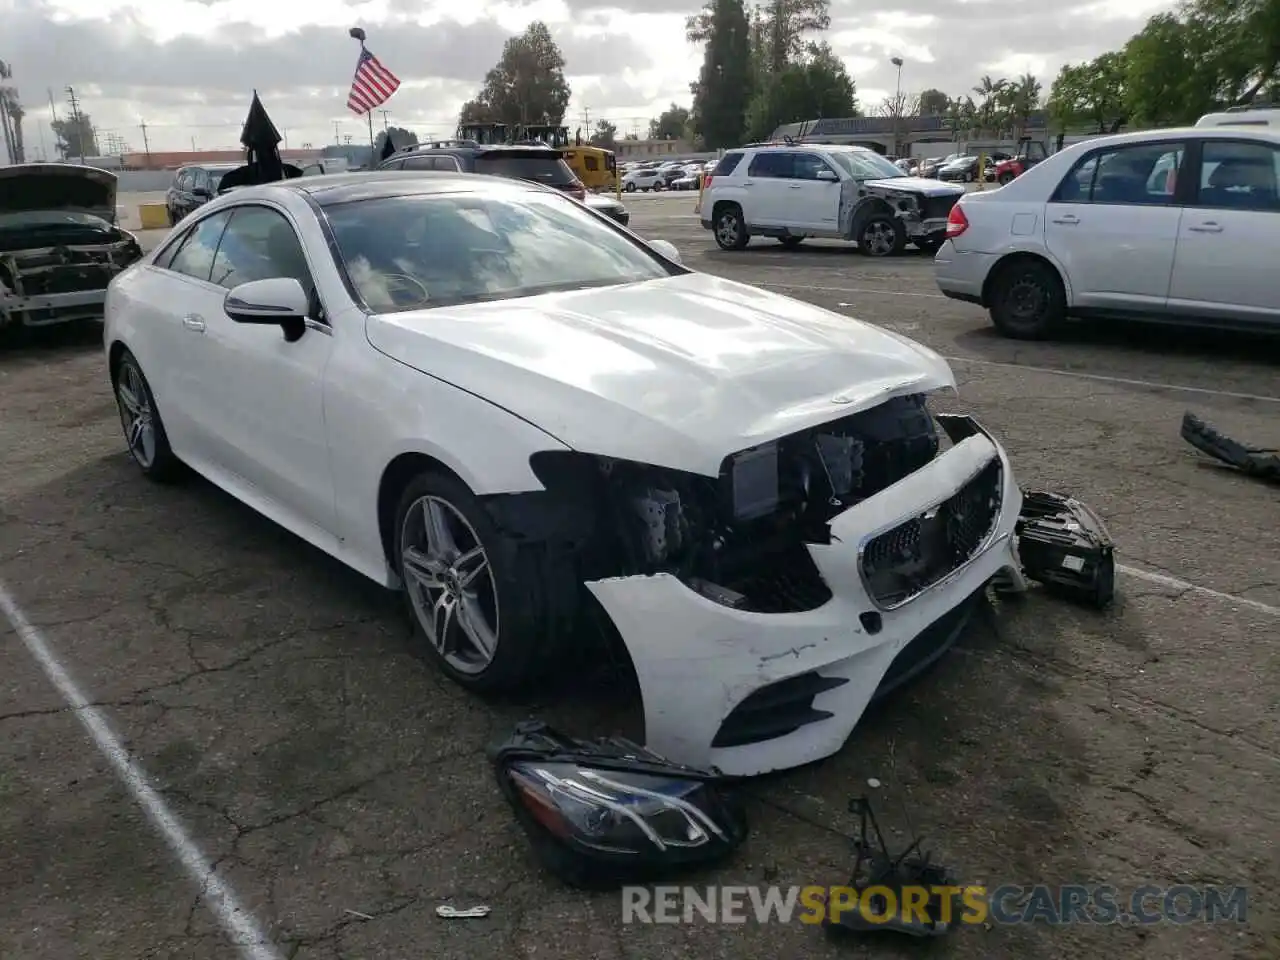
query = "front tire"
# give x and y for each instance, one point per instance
(1005, 178)
(1027, 301)
(143, 428)
(630, 187)
(881, 236)
(477, 603)
(730, 228)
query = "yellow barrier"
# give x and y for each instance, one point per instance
(153, 216)
(702, 179)
(982, 171)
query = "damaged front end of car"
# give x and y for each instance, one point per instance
(922, 211)
(763, 608)
(60, 246)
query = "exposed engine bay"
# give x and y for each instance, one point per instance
(739, 539)
(48, 283)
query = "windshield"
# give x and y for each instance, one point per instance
(412, 253)
(51, 219)
(215, 178)
(866, 165)
(550, 170)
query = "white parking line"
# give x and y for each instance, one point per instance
(1173, 583)
(236, 922)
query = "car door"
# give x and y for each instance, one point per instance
(1113, 226)
(172, 318)
(269, 401)
(813, 195)
(764, 203)
(1229, 233)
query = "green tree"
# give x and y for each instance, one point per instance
(779, 28)
(527, 85)
(1021, 99)
(74, 139)
(605, 135)
(672, 124)
(1092, 93)
(934, 103)
(723, 89)
(819, 86)
(400, 138)
(990, 113)
(961, 117)
(1165, 73)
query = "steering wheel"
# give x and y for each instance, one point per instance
(397, 283)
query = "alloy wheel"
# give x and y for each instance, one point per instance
(136, 414)
(450, 584)
(727, 229)
(879, 238)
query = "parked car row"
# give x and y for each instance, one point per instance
(671, 175)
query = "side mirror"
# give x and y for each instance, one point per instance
(667, 249)
(279, 301)
(828, 175)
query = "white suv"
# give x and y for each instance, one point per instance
(1170, 225)
(799, 190)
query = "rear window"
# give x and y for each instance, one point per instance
(728, 163)
(551, 171)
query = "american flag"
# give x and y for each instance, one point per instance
(372, 85)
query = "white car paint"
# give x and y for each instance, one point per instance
(676, 372)
(1173, 260)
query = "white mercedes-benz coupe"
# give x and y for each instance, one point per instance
(524, 416)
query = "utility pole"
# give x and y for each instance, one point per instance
(75, 117)
(53, 121)
(586, 120)
(337, 138)
(146, 144)
(385, 124)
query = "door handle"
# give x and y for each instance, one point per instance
(746, 183)
(795, 186)
(193, 323)
(1208, 226)
(1069, 220)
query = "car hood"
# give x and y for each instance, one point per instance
(925, 188)
(678, 372)
(31, 187)
(600, 202)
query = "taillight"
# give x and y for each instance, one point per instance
(957, 222)
(706, 180)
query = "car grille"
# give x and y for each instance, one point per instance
(903, 562)
(937, 208)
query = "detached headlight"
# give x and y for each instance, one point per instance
(608, 812)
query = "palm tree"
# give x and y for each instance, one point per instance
(991, 94)
(1023, 99)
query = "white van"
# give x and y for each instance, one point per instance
(1268, 116)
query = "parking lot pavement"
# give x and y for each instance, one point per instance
(274, 700)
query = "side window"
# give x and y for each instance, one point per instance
(1144, 174)
(770, 165)
(1238, 175)
(807, 165)
(200, 180)
(393, 165)
(449, 163)
(259, 244)
(195, 257)
(420, 163)
(728, 163)
(184, 180)
(591, 163)
(165, 257)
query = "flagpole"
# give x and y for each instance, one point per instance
(358, 34)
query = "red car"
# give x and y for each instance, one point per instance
(1030, 152)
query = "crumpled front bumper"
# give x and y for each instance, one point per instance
(701, 664)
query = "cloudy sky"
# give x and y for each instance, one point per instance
(187, 67)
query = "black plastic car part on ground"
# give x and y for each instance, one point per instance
(604, 813)
(1065, 546)
(1252, 461)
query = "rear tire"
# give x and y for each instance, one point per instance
(143, 428)
(1027, 300)
(790, 243)
(730, 228)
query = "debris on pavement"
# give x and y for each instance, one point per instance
(470, 913)
(1065, 546)
(357, 914)
(1251, 461)
(874, 866)
(607, 812)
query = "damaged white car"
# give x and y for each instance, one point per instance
(479, 391)
(60, 244)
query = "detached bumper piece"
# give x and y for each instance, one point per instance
(876, 871)
(605, 813)
(1065, 546)
(1251, 461)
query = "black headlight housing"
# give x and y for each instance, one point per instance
(605, 813)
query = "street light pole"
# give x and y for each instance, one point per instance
(897, 104)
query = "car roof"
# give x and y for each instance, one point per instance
(339, 188)
(1261, 134)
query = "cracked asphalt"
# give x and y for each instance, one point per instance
(339, 785)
